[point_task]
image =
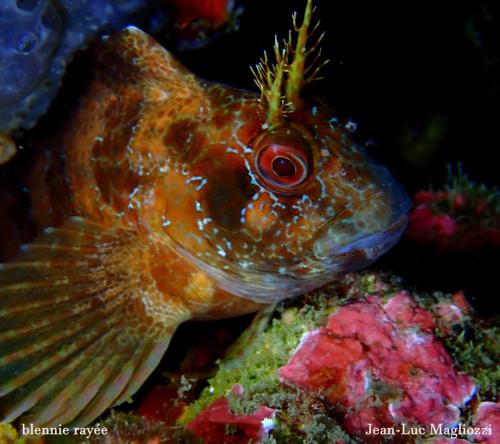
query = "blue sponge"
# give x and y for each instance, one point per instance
(38, 38)
(30, 31)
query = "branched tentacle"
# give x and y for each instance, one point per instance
(281, 83)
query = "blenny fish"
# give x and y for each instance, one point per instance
(163, 198)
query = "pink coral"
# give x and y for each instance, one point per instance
(455, 220)
(488, 420)
(427, 227)
(217, 424)
(382, 363)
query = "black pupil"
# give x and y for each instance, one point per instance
(283, 166)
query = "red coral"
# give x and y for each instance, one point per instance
(427, 227)
(488, 420)
(459, 202)
(382, 363)
(215, 12)
(423, 197)
(217, 424)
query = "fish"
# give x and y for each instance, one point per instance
(161, 198)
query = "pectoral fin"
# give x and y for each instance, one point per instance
(82, 324)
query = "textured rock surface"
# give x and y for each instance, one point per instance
(382, 364)
(365, 351)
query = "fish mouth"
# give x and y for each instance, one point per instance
(353, 252)
(363, 250)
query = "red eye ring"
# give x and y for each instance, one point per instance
(282, 159)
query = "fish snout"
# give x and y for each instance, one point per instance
(371, 231)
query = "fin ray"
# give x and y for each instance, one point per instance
(114, 386)
(77, 392)
(38, 365)
(76, 334)
(39, 388)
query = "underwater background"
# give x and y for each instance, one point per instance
(421, 82)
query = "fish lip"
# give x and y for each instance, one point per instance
(374, 244)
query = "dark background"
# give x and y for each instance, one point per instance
(421, 78)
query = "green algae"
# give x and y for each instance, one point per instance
(301, 417)
(9, 435)
(308, 417)
(477, 352)
(256, 371)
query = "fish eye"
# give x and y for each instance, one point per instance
(281, 166)
(282, 160)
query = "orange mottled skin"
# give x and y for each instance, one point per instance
(120, 139)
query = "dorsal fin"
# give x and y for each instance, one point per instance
(133, 57)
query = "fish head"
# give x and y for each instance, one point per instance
(281, 210)
(265, 210)
(287, 201)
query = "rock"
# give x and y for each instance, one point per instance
(382, 365)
